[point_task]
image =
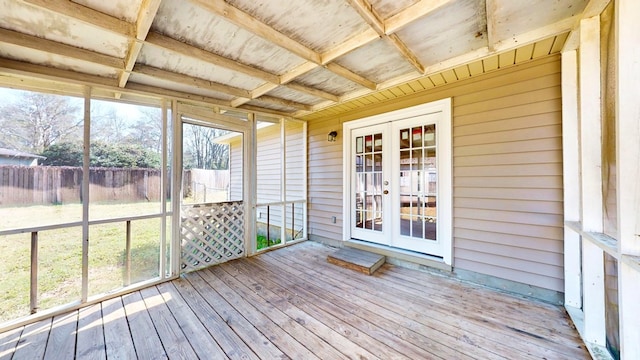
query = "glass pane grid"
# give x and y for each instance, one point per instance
(418, 181)
(368, 187)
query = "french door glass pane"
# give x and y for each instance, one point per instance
(368, 187)
(418, 182)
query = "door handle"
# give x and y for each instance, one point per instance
(385, 192)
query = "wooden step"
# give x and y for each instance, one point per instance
(356, 259)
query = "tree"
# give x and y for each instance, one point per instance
(35, 121)
(101, 155)
(201, 149)
(63, 154)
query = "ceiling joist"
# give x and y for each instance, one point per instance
(189, 80)
(412, 13)
(53, 47)
(146, 14)
(86, 15)
(251, 24)
(374, 20)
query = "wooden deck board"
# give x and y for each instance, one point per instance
(62, 338)
(8, 342)
(291, 303)
(143, 332)
(90, 337)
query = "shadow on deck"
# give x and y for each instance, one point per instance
(291, 303)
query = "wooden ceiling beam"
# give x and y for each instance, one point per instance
(351, 44)
(368, 13)
(490, 9)
(86, 15)
(348, 74)
(255, 26)
(412, 13)
(175, 94)
(313, 92)
(284, 102)
(23, 68)
(146, 14)
(297, 71)
(190, 80)
(179, 47)
(406, 52)
(53, 47)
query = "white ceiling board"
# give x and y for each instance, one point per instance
(378, 61)
(170, 61)
(453, 30)
(194, 25)
(151, 81)
(38, 57)
(388, 8)
(319, 25)
(325, 80)
(126, 10)
(512, 18)
(293, 95)
(18, 16)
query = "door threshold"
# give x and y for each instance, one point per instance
(400, 254)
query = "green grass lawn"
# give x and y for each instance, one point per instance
(60, 253)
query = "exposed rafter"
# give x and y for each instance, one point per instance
(87, 15)
(250, 23)
(52, 47)
(315, 92)
(190, 80)
(257, 27)
(12, 66)
(491, 8)
(145, 17)
(412, 13)
(179, 47)
(346, 73)
(368, 13)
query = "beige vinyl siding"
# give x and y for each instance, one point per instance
(507, 172)
(325, 180)
(269, 170)
(235, 169)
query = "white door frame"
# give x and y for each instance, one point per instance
(445, 203)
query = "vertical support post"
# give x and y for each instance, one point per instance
(127, 254)
(33, 294)
(250, 184)
(283, 182)
(85, 195)
(163, 196)
(293, 221)
(305, 183)
(176, 194)
(628, 167)
(268, 228)
(571, 179)
(591, 170)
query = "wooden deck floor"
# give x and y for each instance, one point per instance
(291, 303)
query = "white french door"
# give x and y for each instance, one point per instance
(399, 181)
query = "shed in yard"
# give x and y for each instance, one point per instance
(15, 157)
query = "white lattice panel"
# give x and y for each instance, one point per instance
(211, 234)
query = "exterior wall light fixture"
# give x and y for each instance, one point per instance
(331, 137)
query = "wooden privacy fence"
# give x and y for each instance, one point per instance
(32, 185)
(44, 185)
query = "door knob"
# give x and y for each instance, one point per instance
(385, 192)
